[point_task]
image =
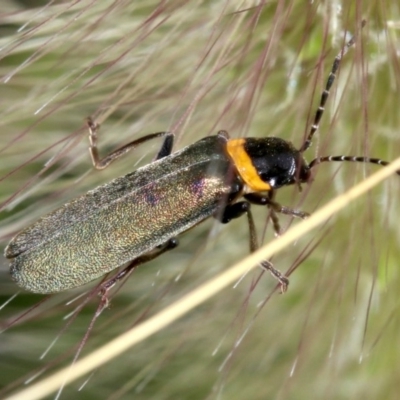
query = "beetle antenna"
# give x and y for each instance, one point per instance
(325, 93)
(365, 160)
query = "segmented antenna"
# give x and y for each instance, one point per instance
(325, 93)
(320, 111)
(378, 161)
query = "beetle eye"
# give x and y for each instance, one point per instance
(279, 169)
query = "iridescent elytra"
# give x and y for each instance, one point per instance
(137, 217)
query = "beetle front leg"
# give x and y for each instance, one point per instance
(267, 200)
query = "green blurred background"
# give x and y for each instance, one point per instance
(194, 67)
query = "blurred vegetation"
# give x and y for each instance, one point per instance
(194, 67)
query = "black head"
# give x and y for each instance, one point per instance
(276, 161)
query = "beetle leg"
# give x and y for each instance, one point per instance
(106, 286)
(262, 200)
(223, 133)
(275, 222)
(267, 265)
(288, 211)
(259, 199)
(98, 163)
(235, 211)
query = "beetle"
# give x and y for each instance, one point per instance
(137, 217)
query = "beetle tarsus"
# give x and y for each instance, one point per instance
(282, 279)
